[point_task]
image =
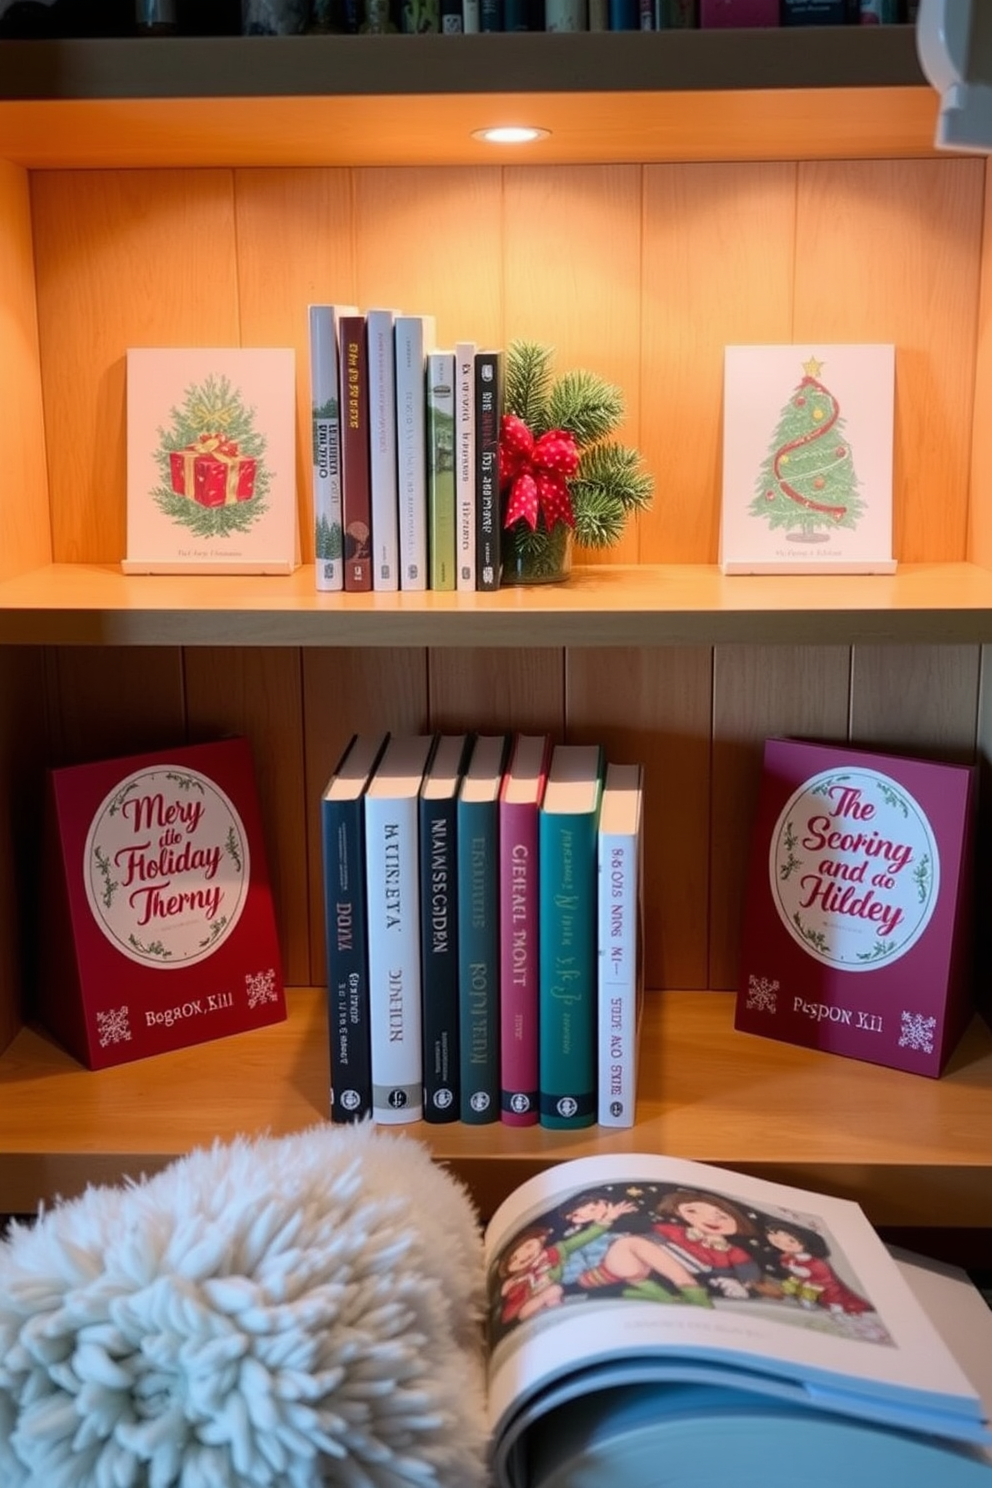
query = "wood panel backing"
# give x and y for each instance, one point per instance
(717, 269)
(652, 707)
(889, 251)
(759, 692)
(24, 488)
(258, 692)
(160, 269)
(920, 700)
(108, 701)
(979, 505)
(494, 690)
(572, 280)
(295, 247)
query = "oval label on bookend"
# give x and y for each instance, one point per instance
(166, 866)
(854, 868)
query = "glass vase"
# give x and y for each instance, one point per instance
(538, 557)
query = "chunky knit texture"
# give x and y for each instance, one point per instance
(283, 1311)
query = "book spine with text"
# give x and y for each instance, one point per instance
(441, 468)
(519, 963)
(488, 411)
(465, 464)
(619, 975)
(393, 913)
(343, 838)
(478, 959)
(568, 995)
(325, 432)
(356, 496)
(439, 957)
(382, 449)
(414, 338)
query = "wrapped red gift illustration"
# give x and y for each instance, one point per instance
(212, 472)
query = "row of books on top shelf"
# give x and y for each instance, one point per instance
(643, 15)
(405, 454)
(483, 918)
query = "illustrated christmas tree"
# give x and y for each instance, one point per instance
(213, 423)
(807, 482)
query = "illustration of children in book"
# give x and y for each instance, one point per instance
(809, 1277)
(534, 1272)
(703, 1231)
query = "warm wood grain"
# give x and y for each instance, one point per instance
(571, 267)
(889, 251)
(800, 690)
(980, 509)
(919, 700)
(617, 606)
(103, 702)
(912, 1150)
(295, 248)
(24, 485)
(718, 269)
(585, 126)
(258, 692)
(159, 252)
(492, 691)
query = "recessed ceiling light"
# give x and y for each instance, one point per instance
(510, 134)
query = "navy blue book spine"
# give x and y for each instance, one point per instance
(343, 847)
(439, 957)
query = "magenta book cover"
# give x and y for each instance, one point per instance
(857, 915)
(520, 799)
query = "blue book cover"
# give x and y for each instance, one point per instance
(439, 927)
(345, 927)
(567, 879)
(478, 928)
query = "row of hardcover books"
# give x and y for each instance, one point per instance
(483, 920)
(405, 454)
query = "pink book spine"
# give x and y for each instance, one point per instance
(519, 929)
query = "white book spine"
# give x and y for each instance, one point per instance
(465, 464)
(414, 339)
(618, 911)
(393, 913)
(471, 15)
(382, 449)
(325, 405)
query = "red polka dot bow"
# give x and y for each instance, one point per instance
(535, 472)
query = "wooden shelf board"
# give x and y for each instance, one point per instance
(436, 129)
(605, 97)
(910, 1149)
(84, 604)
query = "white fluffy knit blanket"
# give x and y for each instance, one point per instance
(286, 1311)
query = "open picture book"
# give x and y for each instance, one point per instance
(660, 1323)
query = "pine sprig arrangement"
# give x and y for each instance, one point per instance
(610, 482)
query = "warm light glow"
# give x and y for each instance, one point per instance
(510, 134)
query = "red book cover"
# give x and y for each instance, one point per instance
(356, 478)
(857, 918)
(166, 934)
(519, 807)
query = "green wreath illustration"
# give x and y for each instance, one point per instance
(214, 479)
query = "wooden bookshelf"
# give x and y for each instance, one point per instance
(612, 605)
(913, 1151)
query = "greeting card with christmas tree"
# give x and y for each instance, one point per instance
(159, 923)
(807, 459)
(211, 460)
(858, 908)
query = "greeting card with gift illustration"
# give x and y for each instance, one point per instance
(160, 927)
(857, 915)
(807, 459)
(211, 460)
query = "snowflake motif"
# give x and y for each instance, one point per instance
(917, 1032)
(761, 994)
(261, 987)
(113, 1027)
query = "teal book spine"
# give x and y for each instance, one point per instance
(478, 960)
(568, 892)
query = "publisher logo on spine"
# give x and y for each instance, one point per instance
(166, 866)
(854, 869)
